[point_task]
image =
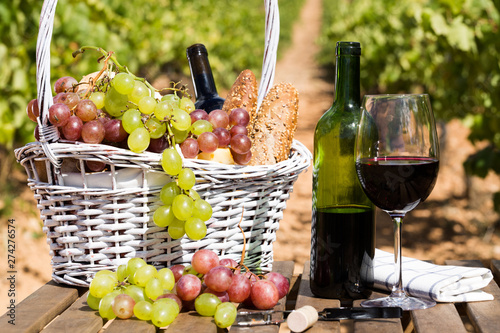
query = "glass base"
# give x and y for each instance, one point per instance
(406, 303)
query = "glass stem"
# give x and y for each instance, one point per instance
(398, 289)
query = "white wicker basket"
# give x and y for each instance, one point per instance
(96, 221)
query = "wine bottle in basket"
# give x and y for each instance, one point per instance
(343, 218)
(206, 94)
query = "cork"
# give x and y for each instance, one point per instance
(301, 319)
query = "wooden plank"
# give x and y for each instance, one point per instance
(382, 325)
(41, 307)
(129, 325)
(285, 268)
(443, 317)
(485, 316)
(79, 317)
(306, 297)
(495, 268)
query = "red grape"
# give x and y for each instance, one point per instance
(70, 99)
(177, 270)
(198, 114)
(241, 159)
(208, 142)
(204, 260)
(64, 84)
(240, 288)
(241, 144)
(103, 116)
(222, 295)
(264, 295)
(73, 128)
(238, 129)
(114, 131)
(32, 110)
(95, 166)
(218, 118)
(239, 116)
(188, 287)
(93, 132)
(37, 133)
(190, 148)
(123, 306)
(158, 145)
(228, 262)
(223, 136)
(219, 278)
(59, 114)
(86, 110)
(281, 283)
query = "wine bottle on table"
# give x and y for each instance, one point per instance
(343, 218)
(206, 94)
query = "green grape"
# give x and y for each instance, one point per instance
(176, 229)
(147, 105)
(180, 136)
(193, 194)
(98, 98)
(143, 310)
(138, 140)
(163, 216)
(202, 210)
(131, 120)
(181, 119)
(195, 228)
(168, 192)
(115, 103)
(102, 285)
(186, 179)
(123, 83)
(107, 272)
(167, 278)
(201, 126)
(93, 302)
(186, 104)
(144, 274)
(164, 312)
(225, 314)
(163, 110)
(140, 90)
(172, 99)
(156, 128)
(171, 161)
(133, 264)
(121, 273)
(182, 206)
(105, 305)
(206, 304)
(153, 288)
(136, 292)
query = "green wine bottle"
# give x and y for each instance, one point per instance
(343, 218)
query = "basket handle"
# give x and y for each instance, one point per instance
(49, 133)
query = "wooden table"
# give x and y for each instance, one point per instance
(59, 308)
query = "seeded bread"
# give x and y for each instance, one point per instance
(275, 124)
(243, 93)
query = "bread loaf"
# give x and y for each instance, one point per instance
(243, 93)
(274, 126)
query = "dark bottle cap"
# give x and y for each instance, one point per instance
(348, 48)
(196, 49)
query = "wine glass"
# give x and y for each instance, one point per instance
(397, 162)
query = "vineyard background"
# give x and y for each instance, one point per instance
(446, 48)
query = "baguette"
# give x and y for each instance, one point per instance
(243, 94)
(275, 124)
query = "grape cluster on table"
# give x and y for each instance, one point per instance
(210, 286)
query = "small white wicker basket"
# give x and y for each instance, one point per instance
(96, 221)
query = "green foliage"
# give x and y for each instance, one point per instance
(150, 37)
(447, 48)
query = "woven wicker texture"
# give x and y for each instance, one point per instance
(96, 221)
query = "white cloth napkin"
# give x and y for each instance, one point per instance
(442, 283)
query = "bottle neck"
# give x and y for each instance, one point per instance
(201, 73)
(347, 82)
